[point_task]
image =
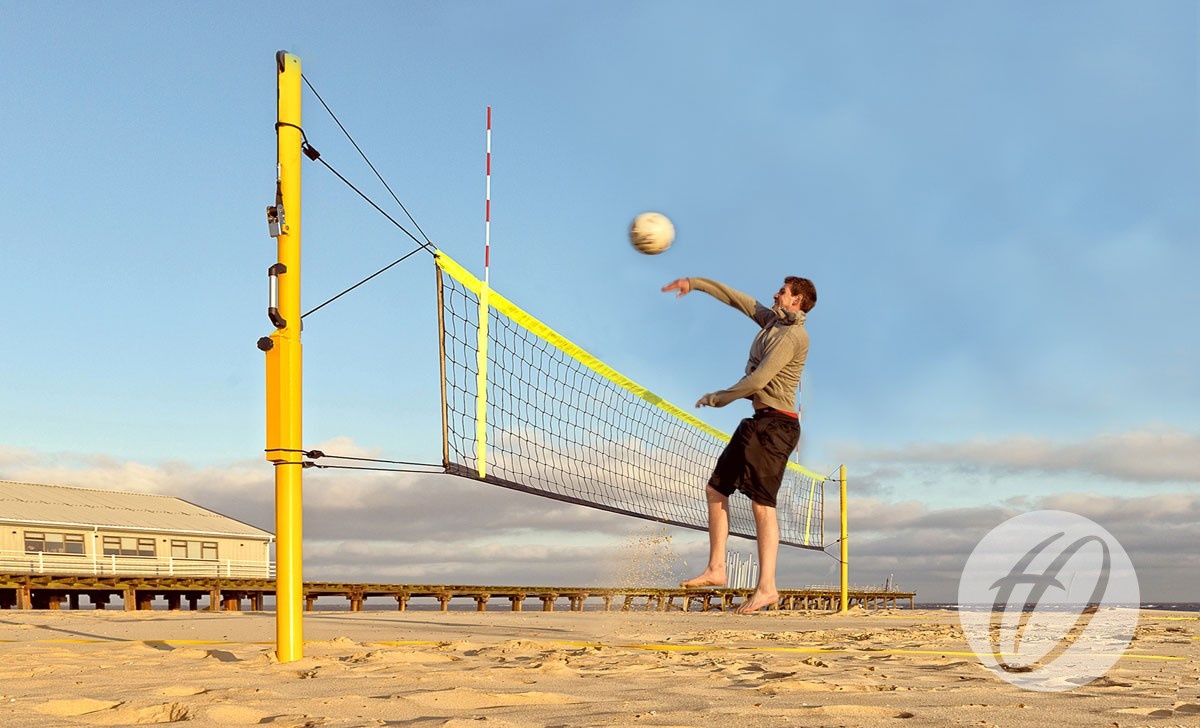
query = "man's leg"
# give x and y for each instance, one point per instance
(718, 534)
(766, 525)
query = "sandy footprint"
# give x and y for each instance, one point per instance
(335, 642)
(398, 657)
(181, 691)
(184, 654)
(796, 686)
(856, 711)
(232, 715)
(1190, 711)
(311, 721)
(75, 706)
(513, 647)
(471, 699)
(140, 714)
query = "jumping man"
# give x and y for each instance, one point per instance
(756, 457)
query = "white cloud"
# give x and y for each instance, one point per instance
(13, 456)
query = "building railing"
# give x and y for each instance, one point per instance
(20, 562)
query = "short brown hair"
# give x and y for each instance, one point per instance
(805, 289)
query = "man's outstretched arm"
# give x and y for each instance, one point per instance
(723, 293)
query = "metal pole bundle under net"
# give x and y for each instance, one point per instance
(548, 418)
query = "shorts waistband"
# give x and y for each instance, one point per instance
(774, 411)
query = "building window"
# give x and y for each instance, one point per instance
(194, 549)
(34, 542)
(53, 543)
(127, 546)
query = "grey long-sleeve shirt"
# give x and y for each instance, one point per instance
(777, 353)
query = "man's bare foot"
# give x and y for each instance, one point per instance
(712, 576)
(758, 600)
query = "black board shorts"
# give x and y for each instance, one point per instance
(756, 457)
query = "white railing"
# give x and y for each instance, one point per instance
(741, 570)
(869, 588)
(20, 562)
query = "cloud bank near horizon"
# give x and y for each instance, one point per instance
(433, 528)
(1149, 456)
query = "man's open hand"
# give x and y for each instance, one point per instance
(683, 285)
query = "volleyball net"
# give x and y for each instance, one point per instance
(525, 408)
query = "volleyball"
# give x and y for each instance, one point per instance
(651, 233)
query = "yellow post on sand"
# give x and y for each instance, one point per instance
(285, 439)
(845, 546)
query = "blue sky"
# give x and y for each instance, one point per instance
(996, 201)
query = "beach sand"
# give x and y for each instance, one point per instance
(562, 669)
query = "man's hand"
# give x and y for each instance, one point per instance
(706, 400)
(683, 285)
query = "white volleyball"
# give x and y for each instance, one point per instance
(651, 233)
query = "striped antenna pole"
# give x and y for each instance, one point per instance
(481, 349)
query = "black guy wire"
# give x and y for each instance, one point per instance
(356, 285)
(378, 470)
(427, 246)
(316, 454)
(364, 156)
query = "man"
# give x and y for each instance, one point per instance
(756, 457)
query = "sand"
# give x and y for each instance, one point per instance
(494, 669)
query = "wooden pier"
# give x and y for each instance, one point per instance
(49, 591)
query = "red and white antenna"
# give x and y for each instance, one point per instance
(487, 210)
(481, 352)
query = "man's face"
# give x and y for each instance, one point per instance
(786, 300)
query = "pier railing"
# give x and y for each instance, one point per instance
(41, 562)
(26, 590)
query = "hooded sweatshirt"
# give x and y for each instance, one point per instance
(777, 353)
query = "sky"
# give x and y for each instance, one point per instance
(997, 203)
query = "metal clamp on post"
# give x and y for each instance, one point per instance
(276, 220)
(273, 295)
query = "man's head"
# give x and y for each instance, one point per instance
(796, 294)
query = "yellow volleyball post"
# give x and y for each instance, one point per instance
(845, 546)
(285, 440)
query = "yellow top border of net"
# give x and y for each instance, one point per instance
(516, 313)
